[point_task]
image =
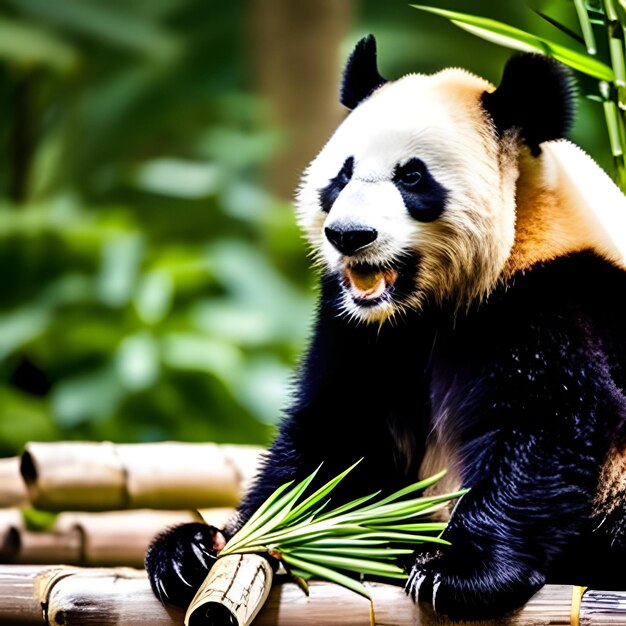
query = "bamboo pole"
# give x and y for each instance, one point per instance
(232, 579)
(9, 520)
(109, 539)
(12, 488)
(76, 597)
(104, 476)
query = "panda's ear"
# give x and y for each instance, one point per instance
(536, 95)
(360, 76)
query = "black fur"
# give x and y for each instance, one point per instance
(361, 76)
(529, 389)
(179, 560)
(423, 196)
(536, 95)
(331, 192)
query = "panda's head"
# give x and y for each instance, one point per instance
(411, 203)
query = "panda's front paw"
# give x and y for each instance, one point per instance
(179, 559)
(472, 589)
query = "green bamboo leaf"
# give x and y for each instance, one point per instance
(562, 27)
(327, 574)
(358, 565)
(361, 552)
(419, 486)
(311, 531)
(340, 510)
(322, 492)
(419, 527)
(273, 516)
(399, 537)
(511, 37)
(405, 508)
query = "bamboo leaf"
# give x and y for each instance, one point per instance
(322, 492)
(511, 37)
(360, 552)
(327, 574)
(562, 27)
(358, 565)
(348, 507)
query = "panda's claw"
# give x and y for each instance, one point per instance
(476, 593)
(179, 559)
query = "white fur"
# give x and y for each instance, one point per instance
(559, 202)
(599, 205)
(439, 120)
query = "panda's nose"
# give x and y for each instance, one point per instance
(349, 240)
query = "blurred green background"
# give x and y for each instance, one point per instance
(153, 282)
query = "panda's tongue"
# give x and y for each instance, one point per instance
(370, 284)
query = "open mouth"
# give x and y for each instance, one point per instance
(369, 284)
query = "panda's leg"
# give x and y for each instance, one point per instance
(531, 501)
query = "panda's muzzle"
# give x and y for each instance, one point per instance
(350, 239)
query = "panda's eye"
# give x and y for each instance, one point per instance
(409, 174)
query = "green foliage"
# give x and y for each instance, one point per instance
(355, 537)
(151, 288)
(606, 64)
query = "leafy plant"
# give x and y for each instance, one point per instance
(364, 536)
(604, 63)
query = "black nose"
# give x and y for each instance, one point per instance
(349, 240)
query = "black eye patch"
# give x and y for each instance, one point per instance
(329, 194)
(424, 197)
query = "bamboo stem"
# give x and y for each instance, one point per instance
(12, 488)
(76, 596)
(233, 593)
(105, 476)
(110, 539)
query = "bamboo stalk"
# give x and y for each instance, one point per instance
(26, 546)
(12, 487)
(75, 597)
(109, 539)
(233, 593)
(104, 476)
(10, 519)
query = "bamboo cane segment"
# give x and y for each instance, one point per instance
(115, 538)
(236, 588)
(105, 476)
(10, 519)
(26, 546)
(75, 475)
(12, 488)
(184, 475)
(86, 597)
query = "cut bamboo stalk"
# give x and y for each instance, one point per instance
(75, 597)
(10, 519)
(27, 546)
(12, 488)
(119, 537)
(105, 476)
(109, 539)
(233, 593)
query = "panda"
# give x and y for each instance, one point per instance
(471, 262)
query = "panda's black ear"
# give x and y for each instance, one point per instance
(360, 76)
(537, 95)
